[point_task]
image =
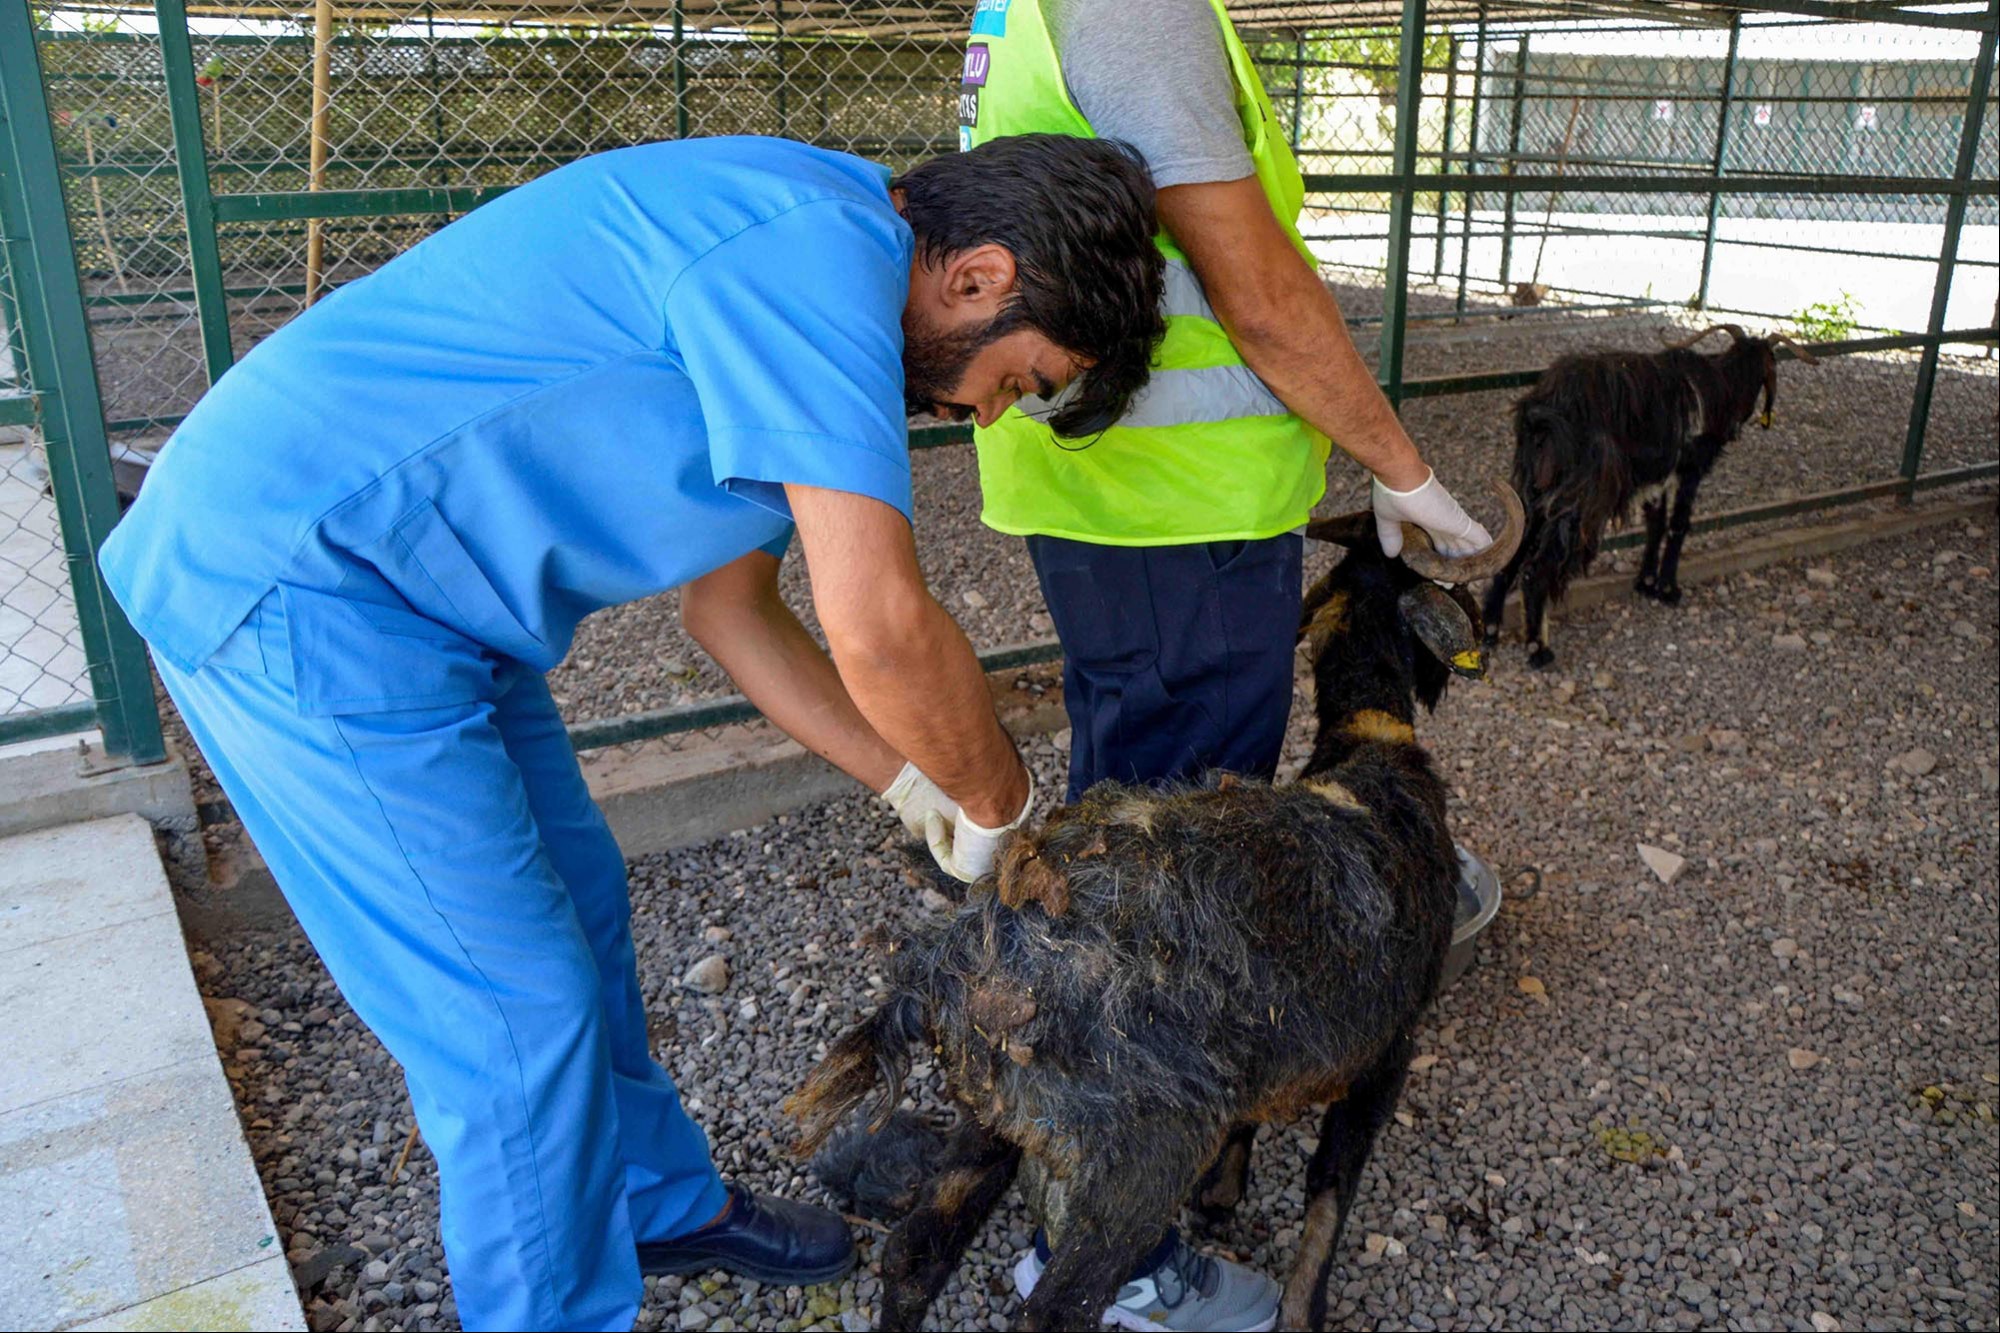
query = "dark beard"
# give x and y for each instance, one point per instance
(934, 362)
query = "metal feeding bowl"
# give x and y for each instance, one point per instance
(1478, 900)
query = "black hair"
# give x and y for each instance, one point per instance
(1077, 215)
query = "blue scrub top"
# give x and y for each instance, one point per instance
(586, 391)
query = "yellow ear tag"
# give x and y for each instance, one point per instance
(1468, 660)
(1765, 421)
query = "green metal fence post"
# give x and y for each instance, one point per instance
(1851, 140)
(784, 99)
(1954, 221)
(1473, 163)
(680, 72)
(191, 162)
(1444, 157)
(1801, 126)
(1721, 159)
(55, 330)
(1513, 164)
(1298, 84)
(1402, 204)
(437, 175)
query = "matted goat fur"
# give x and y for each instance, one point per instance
(1150, 972)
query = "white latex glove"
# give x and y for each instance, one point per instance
(963, 849)
(1430, 506)
(915, 797)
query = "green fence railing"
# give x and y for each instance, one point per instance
(1448, 127)
(50, 333)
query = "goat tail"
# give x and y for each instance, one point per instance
(1547, 448)
(873, 1051)
(1573, 486)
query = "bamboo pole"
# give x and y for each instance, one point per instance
(316, 175)
(1534, 291)
(97, 199)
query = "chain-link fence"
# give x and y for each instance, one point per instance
(42, 663)
(1699, 91)
(409, 102)
(67, 657)
(1521, 180)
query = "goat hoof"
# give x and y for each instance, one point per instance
(1669, 595)
(1541, 659)
(1491, 640)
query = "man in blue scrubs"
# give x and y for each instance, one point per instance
(362, 549)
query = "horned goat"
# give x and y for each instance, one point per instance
(1601, 429)
(1148, 972)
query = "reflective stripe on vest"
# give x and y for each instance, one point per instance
(1186, 398)
(1184, 295)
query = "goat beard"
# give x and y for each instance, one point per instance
(935, 360)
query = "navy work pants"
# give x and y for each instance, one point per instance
(1177, 659)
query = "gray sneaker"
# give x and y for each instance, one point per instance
(1189, 1291)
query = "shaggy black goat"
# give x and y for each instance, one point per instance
(1597, 431)
(1151, 973)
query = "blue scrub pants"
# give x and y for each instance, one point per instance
(464, 891)
(1176, 659)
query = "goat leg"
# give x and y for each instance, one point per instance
(924, 1249)
(1494, 613)
(1346, 1137)
(1116, 1210)
(1227, 1179)
(1647, 584)
(1535, 618)
(1677, 531)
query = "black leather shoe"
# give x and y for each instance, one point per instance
(762, 1238)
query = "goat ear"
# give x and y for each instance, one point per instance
(1443, 628)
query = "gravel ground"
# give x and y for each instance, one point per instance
(1838, 423)
(1758, 1097)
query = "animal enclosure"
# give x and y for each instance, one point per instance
(1490, 186)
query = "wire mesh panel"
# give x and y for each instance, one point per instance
(407, 99)
(384, 97)
(107, 99)
(1806, 99)
(1561, 175)
(1533, 91)
(42, 660)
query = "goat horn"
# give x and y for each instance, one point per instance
(1423, 558)
(1798, 350)
(1735, 331)
(1343, 529)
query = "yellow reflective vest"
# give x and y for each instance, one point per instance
(1206, 452)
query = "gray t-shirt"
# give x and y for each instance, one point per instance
(1157, 76)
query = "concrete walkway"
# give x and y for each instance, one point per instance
(127, 1193)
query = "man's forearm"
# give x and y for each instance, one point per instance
(1311, 363)
(738, 617)
(903, 660)
(1286, 324)
(947, 728)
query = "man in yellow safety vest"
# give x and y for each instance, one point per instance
(1166, 548)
